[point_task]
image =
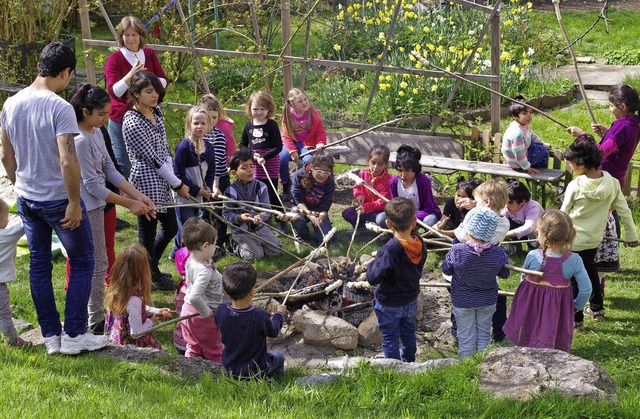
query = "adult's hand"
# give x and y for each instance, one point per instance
(72, 217)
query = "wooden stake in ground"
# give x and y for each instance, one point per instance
(556, 5)
(162, 325)
(427, 63)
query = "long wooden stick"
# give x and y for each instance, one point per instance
(162, 325)
(448, 285)
(353, 235)
(357, 134)
(296, 243)
(285, 271)
(556, 5)
(427, 63)
(360, 181)
(192, 48)
(251, 206)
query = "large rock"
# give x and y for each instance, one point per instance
(324, 330)
(369, 335)
(523, 373)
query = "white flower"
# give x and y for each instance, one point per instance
(471, 32)
(531, 51)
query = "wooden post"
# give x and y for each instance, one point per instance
(83, 9)
(194, 52)
(486, 139)
(256, 30)
(495, 71)
(497, 145)
(627, 180)
(305, 53)
(106, 19)
(287, 76)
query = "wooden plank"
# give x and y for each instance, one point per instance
(494, 169)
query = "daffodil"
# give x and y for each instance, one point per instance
(337, 47)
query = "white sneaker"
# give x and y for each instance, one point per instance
(52, 344)
(82, 343)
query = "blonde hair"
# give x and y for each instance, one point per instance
(287, 121)
(212, 103)
(263, 99)
(187, 122)
(556, 228)
(131, 22)
(496, 190)
(131, 274)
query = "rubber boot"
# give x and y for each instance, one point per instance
(286, 192)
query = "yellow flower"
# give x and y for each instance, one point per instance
(381, 35)
(357, 6)
(350, 9)
(400, 93)
(401, 49)
(412, 58)
(415, 91)
(337, 47)
(326, 79)
(452, 49)
(411, 29)
(418, 64)
(403, 85)
(505, 56)
(388, 78)
(341, 15)
(362, 86)
(418, 47)
(387, 19)
(526, 61)
(522, 77)
(380, 78)
(508, 23)
(434, 88)
(426, 29)
(383, 87)
(431, 47)
(529, 5)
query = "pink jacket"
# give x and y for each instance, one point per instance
(226, 126)
(317, 134)
(372, 202)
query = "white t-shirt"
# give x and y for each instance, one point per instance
(410, 193)
(32, 119)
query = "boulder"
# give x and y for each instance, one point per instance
(523, 373)
(320, 329)
(368, 334)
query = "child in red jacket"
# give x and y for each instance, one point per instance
(369, 205)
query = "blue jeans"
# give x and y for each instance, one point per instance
(429, 220)
(351, 215)
(319, 232)
(39, 219)
(275, 364)
(119, 148)
(285, 158)
(183, 214)
(398, 324)
(474, 328)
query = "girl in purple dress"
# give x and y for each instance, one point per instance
(542, 310)
(127, 297)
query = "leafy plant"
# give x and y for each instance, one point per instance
(622, 56)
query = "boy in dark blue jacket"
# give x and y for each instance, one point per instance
(397, 268)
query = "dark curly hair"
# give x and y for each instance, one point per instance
(89, 97)
(321, 158)
(584, 152)
(408, 158)
(143, 79)
(516, 109)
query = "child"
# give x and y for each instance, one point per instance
(521, 148)
(456, 208)
(195, 165)
(261, 136)
(397, 268)
(543, 308)
(181, 257)
(10, 233)
(245, 328)
(522, 213)
(204, 292)
(587, 201)
(312, 190)
(91, 105)
(474, 266)
(411, 183)
(262, 242)
(369, 205)
(302, 130)
(127, 300)
(152, 169)
(224, 145)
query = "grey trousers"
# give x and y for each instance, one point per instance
(7, 331)
(252, 248)
(96, 299)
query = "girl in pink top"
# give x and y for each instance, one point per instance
(302, 130)
(132, 57)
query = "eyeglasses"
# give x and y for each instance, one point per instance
(322, 172)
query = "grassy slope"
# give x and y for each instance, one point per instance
(39, 385)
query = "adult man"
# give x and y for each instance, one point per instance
(38, 129)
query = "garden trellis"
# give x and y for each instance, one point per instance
(286, 61)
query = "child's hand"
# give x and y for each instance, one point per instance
(282, 309)
(245, 217)
(166, 313)
(153, 318)
(257, 219)
(360, 209)
(440, 224)
(294, 155)
(599, 129)
(532, 170)
(359, 199)
(467, 203)
(205, 192)
(575, 131)
(257, 157)
(320, 147)
(548, 146)
(631, 244)
(215, 192)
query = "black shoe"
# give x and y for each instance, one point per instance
(163, 282)
(219, 253)
(286, 192)
(122, 224)
(98, 328)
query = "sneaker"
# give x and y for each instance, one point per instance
(52, 344)
(578, 326)
(82, 343)
(219, 253)
(597, 315)
(163, 282)
(18, 342)
(511, 249)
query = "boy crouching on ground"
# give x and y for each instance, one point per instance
(245, 328)
(397, 268)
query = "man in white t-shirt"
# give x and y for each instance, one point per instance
(38, 129)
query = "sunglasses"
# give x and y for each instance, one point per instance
(322, 172)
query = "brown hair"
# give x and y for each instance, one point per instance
(401, 213)
(196, 232)
(141, 80)
(131, 22)
(557, 228)
(131, 274)
(187, 121)
(212, 103)
(262, 99)
(238, 279)
(496, 190)
(321, 158)
(287, 121)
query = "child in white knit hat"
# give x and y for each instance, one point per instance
(474, 266)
